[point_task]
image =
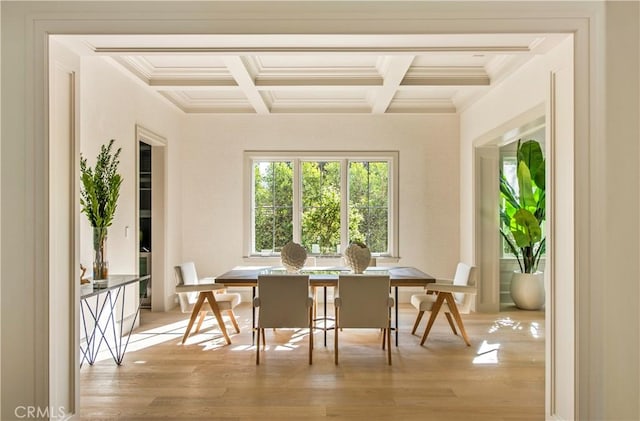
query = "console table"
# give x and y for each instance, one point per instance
(100, 318)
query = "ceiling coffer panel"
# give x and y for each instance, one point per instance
(265, 74)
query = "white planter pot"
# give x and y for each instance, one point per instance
(527, 290)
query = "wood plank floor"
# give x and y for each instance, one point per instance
(500, 377)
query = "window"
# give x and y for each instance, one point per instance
(323, 201)
(510, 170)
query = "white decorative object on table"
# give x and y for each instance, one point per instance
(293, 257)
(357, 256)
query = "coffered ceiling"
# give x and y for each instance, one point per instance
(268, 74)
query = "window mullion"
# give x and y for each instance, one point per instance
(344, 204)
(297, 201)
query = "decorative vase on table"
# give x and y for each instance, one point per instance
(100, 262)
(357, 257)
(99, 194)
(293, 257)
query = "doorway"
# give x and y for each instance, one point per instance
(150, 216)
(145, 187)
(488, 160)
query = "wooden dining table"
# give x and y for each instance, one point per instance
(327, 276)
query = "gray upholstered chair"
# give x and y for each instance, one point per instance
(451, 296)
(283, 301)
(186, 275)
(363, 301)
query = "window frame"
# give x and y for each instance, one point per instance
(296, 157)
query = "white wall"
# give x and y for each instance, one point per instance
(212, 188)
(112, 104)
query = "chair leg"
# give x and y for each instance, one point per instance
(335, 339)
(315, 303)
(434, 312)
(194, 315)
(234, 322)
(264, 343)
(203, 314)
(418, 318)
(389, 344)
(456, 315)
(310, 335)
(450, 320)
(258, 348)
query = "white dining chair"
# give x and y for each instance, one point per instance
(363, 301)
(283, 301)
(186, 275)
(451, 296)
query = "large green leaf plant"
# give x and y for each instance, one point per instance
(522, 211)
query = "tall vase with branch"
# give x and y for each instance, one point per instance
(99, 195)
(522, 213)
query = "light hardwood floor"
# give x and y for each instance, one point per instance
(500, 377)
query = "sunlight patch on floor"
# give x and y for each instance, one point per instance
(535, 330)
(505, 323)
(487, 353)
(209, 340)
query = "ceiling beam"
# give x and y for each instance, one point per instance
(192, 84)
(268, 82)
(396, 69)
(245, 82)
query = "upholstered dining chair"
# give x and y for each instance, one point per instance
(186, 275)
(283, 301)
(363, 301)
(451, 296)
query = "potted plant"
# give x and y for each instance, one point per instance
(522, 213)
(99, 198)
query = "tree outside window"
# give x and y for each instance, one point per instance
(369, 204)
(273, 205)
(321, 206)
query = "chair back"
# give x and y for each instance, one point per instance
(283, 301)
(364, 301)
(189, 274)
(465, 275)
(186, 275)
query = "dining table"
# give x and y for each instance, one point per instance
(327, 276)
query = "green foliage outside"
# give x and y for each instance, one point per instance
(369, 204)
(321, 195)
(273, 205)
(321, 206)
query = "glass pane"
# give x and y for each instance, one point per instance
(510, 171)
(321, 206)
(264, 224)
(369, 204)
(273, 201)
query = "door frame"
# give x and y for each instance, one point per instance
(158, 145)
